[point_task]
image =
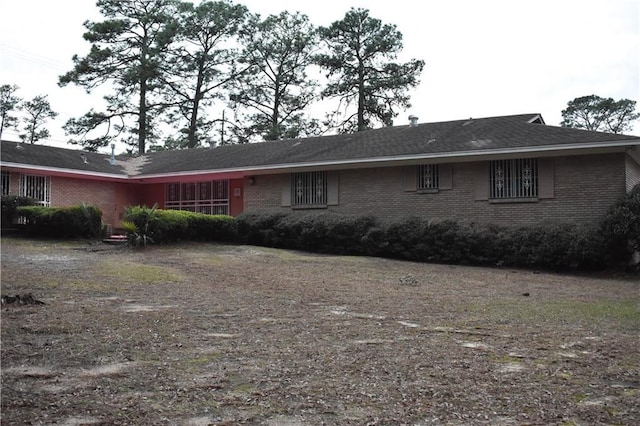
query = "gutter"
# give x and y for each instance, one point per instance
(24, 166)
(238, 172)
(372, 161)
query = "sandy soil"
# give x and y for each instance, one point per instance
(208, 334)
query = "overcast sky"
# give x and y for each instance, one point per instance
(482, 57)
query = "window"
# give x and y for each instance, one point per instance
(6, 183)
(309, 189)
(514, 178)
(428, 176)
(36, 187)
(210, 197)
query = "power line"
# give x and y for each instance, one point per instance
(32, 57)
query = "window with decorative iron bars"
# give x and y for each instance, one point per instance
(36, 187)
(6, 183)
(516, 178)
(211, 197)
(428, 176)
(309, 189)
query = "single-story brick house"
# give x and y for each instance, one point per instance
(508, 170)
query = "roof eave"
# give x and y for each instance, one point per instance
(461, 156)
(67, 172)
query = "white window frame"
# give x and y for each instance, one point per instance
(309, 189)
(428, 177)
(37, 187)
(207, 197)
(514, 179)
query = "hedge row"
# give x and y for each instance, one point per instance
(10, 204)
(611, 243)
(565, 246)
(419, 239)
(84, 221)
(168, 226)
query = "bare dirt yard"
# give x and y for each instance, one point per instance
(212, 334)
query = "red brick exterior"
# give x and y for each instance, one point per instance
(584, 187)
(110, 197)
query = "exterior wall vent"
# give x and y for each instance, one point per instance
(413, 121)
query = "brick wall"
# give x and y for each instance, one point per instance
(265, 194)
(632, 172)
(584, 188)
(110, 197)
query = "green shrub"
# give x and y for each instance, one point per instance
(207, 227)
(10, 204)
(556, 247)
(552, 246)
(167, 226)
(258, 228)
(324, 232)
(620, 228)
(83, 221)
(142, 224)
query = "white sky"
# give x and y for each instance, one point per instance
(483, 57)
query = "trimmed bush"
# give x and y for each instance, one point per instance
(167, 226)
(620, 228)
(206, 227)
(84, 221)
(324, 232)
(555, 247)
(10, 204)
(258, 228)
(552, 247)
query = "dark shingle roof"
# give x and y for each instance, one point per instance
(58, 158)
(450, 138)
(441, 138)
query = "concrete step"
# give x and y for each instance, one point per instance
(115, 239)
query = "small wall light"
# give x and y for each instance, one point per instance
(252, 180)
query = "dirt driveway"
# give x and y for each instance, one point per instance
(203, 334)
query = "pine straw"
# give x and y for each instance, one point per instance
(217, 334)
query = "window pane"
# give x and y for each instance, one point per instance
(514, 178)
(204, 191)
(211, 197)
(428, 176)
(6, 183)
(188, 191)
(173, 192)
(36, 187)
(309, 188)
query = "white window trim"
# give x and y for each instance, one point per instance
(28, 184)
(6, 183)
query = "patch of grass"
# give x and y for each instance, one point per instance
(579, 397)
(208, 259)
(131, 272)
(624, 313)
(208, 359)
(508, 359)
(631, 392)
(243, 388)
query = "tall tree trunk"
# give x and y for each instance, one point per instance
(142, 117)
(142, 103)
(192, 137)
(361, 97)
